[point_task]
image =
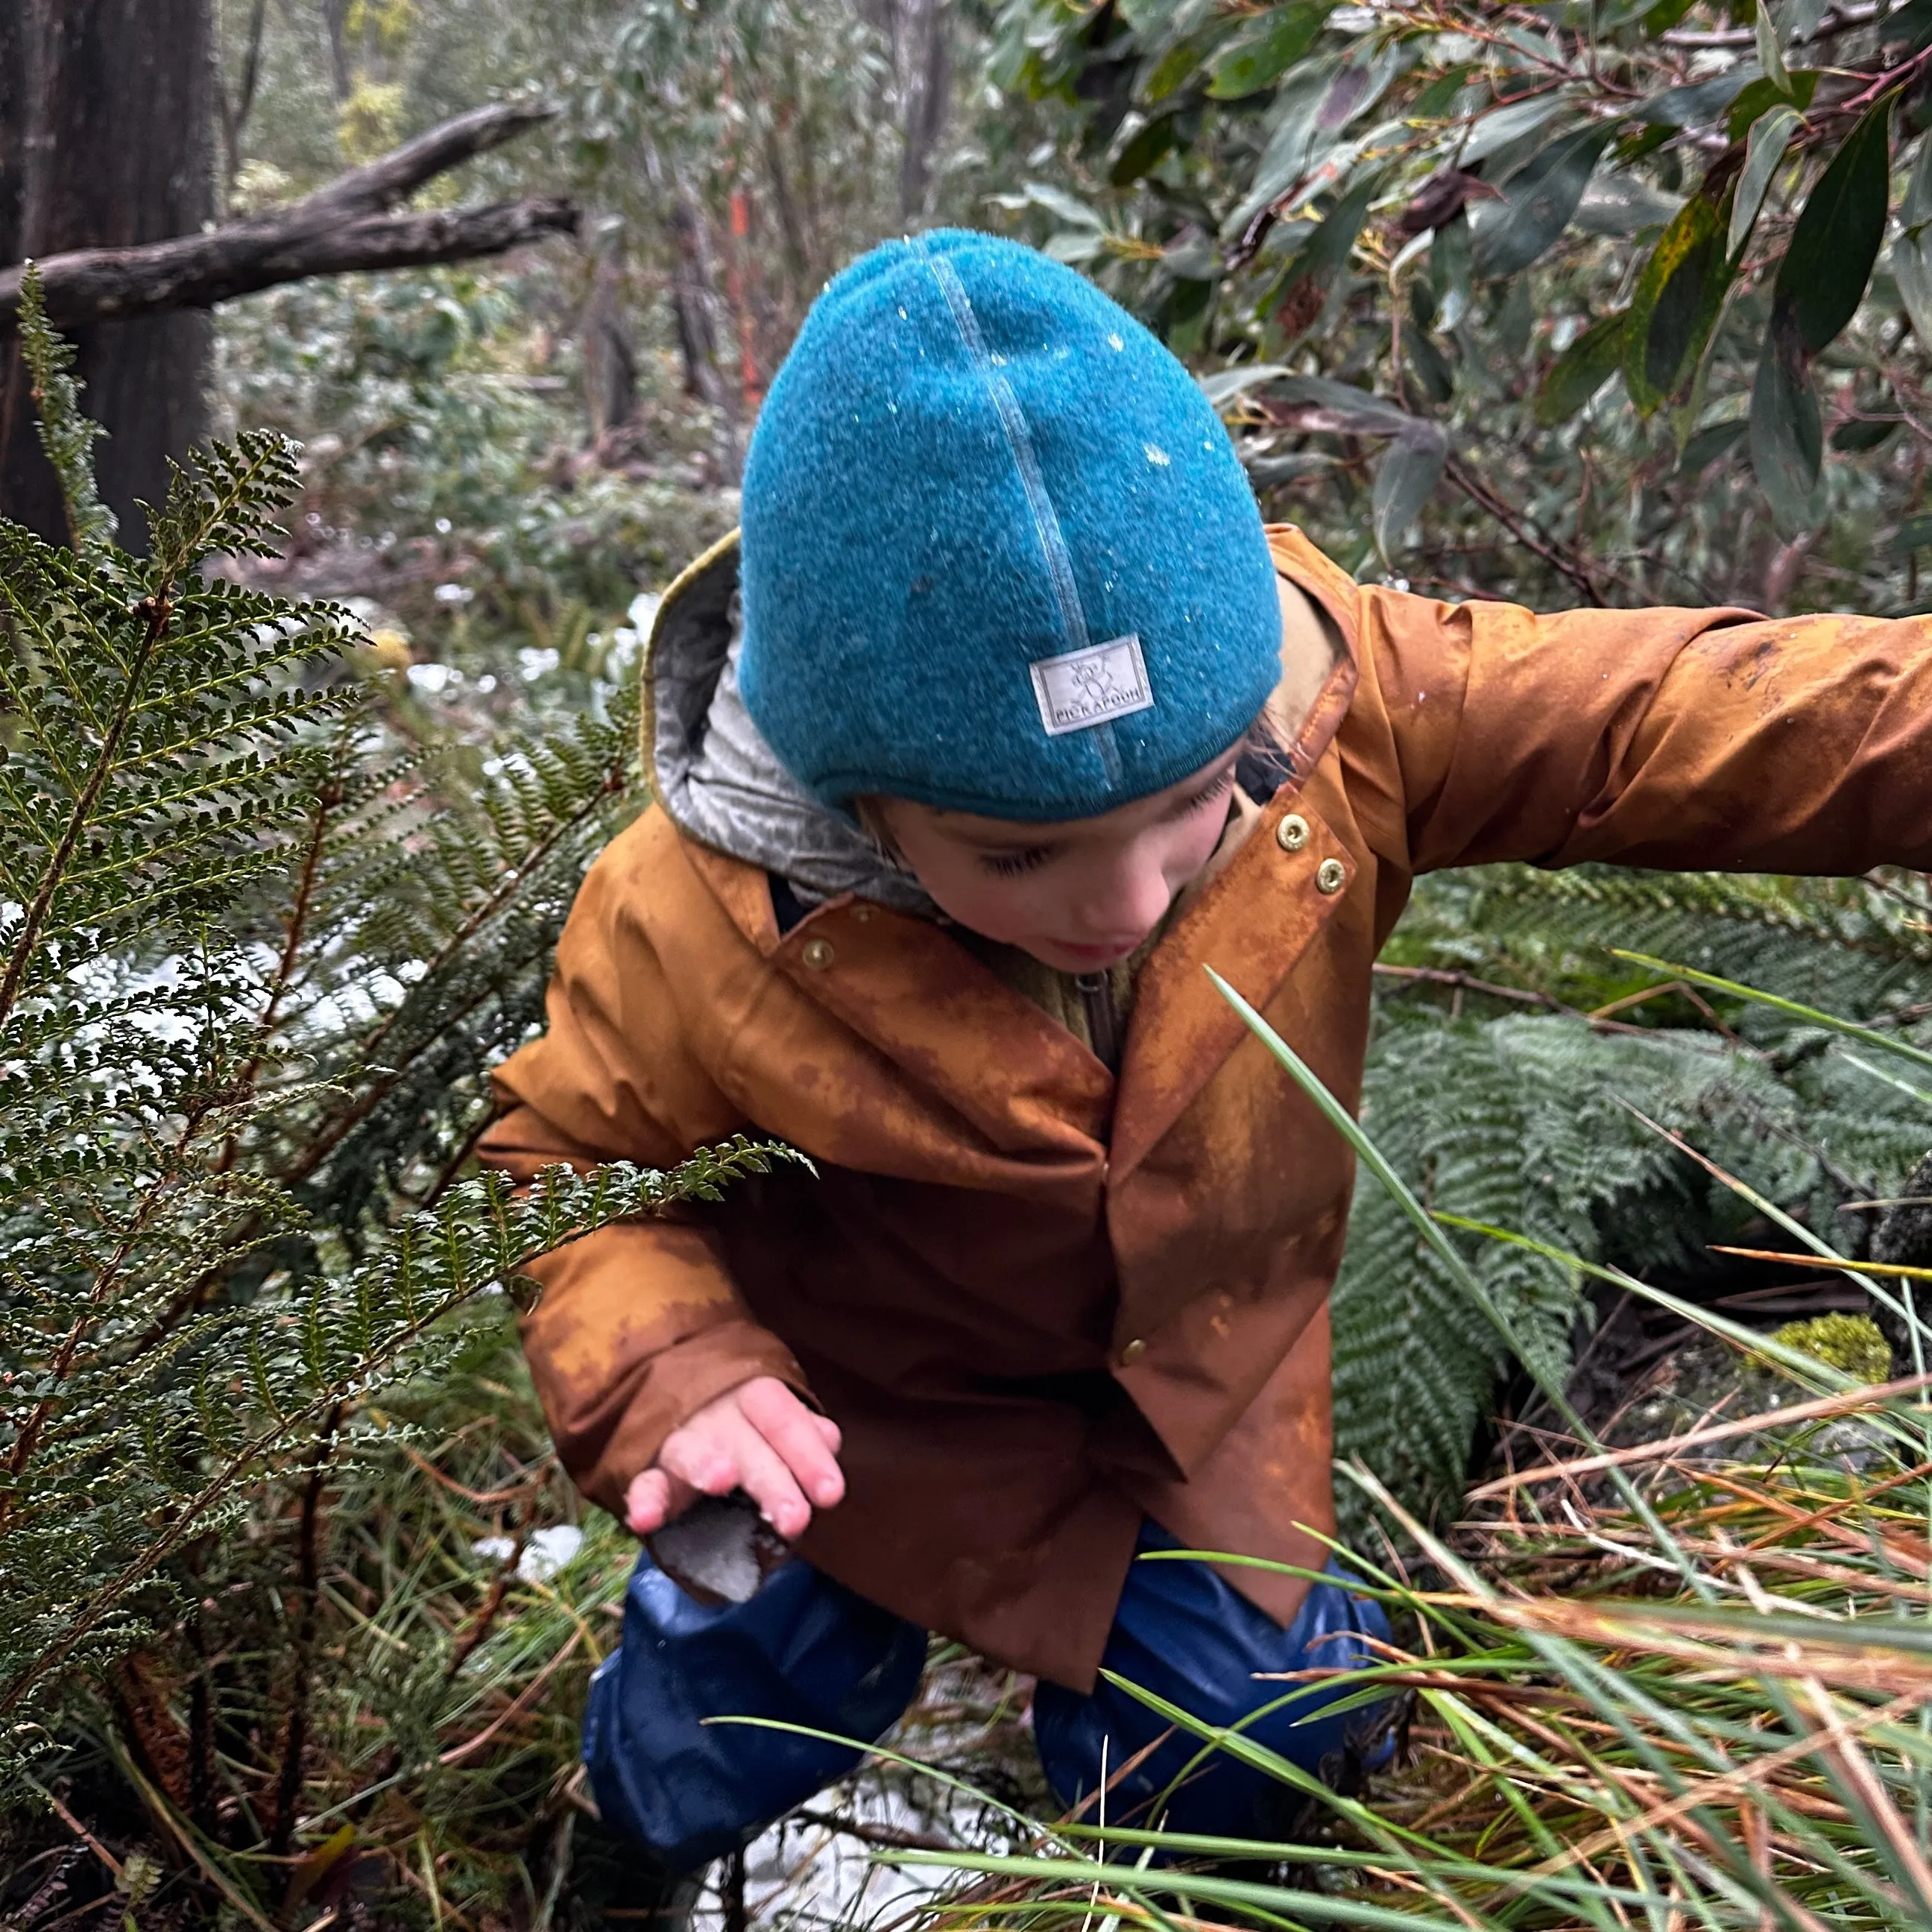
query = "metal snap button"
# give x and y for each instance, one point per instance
(817, 954)
(1331, 876)
(1291, 834)
(1132, 1352)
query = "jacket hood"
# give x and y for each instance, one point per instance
(717, 779)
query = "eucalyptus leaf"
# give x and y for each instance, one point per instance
(1616, 203)
(1857, 436)
(1912, 269)
(1786, 437)
(1911, 256)
(1714, 440)
(1191, 257)
(1431, 366)
(1074, 246)
(1764, 147)
(1821, 280)
(1291, 146)
(1224, 385)
(1325, 254)
(1915, 210)
(1406, 477)
(1147, 148)
(1263, 472)
(1699, 103)
(1355, 411)
(1452, 264)
(1761, 97)
(1538, 201)
(1582, 369)
(1911, 24)
(1058, 201)
(1675, 303)
(1914, 533)
(1496, 130)
(1770, 54)
(1316, 105)
(1260, 58)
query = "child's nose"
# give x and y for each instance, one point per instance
(1131, 900)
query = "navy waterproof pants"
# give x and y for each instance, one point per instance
(806, 1651)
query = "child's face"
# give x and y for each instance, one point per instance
(1080, 894)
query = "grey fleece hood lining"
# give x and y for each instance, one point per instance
(716, 778)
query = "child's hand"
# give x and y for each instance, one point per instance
(758, 1438)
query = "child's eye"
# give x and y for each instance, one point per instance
(1215, 788)
(1011, 865)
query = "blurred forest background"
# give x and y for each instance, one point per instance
(1590, 300)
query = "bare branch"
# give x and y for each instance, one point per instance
(343, 225)
(91, 285)
(391, 177)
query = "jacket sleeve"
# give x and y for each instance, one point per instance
(638, 1325)
(1698, 740)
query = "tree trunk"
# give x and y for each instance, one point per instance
(236, 108)
(110, 122)
(609, 351)
(12, 128)
(923, 52)
(335, 26)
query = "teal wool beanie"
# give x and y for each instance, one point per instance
(999, 555)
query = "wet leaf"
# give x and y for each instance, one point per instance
(1174, 66)
(1770, 136)
(1325, 254)
(1452, 264)
(1539, 199)
(1821, 280)
(1440, 199)
(1714, 440)
(1856, 437)
(1502, 125)
(1770, 53)
(1760, 97)
(1187, 312)
(1787, 439)
(1148, 149)
(1405, 479)
(1911, 24)
(1675, 303)
(1262, 58)
(1435, 100)
(1426, 358)
(1912, 253)
(1582, 369)
(1315, 105)
(1699, 103)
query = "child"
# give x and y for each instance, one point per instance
(1004, 719)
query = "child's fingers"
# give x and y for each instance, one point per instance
(706, 1453)
(794, 1432)
(648, 1502)
(763, 1475)
(834, 1436)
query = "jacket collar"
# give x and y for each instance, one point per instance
(1250, 924)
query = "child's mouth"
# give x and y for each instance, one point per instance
(1107, 954)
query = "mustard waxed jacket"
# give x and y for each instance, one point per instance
(1040, 1300)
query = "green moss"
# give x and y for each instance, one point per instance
(1851, 1343)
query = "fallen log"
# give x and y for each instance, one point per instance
(343, 226)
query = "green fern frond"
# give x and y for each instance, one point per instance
(66, 435)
